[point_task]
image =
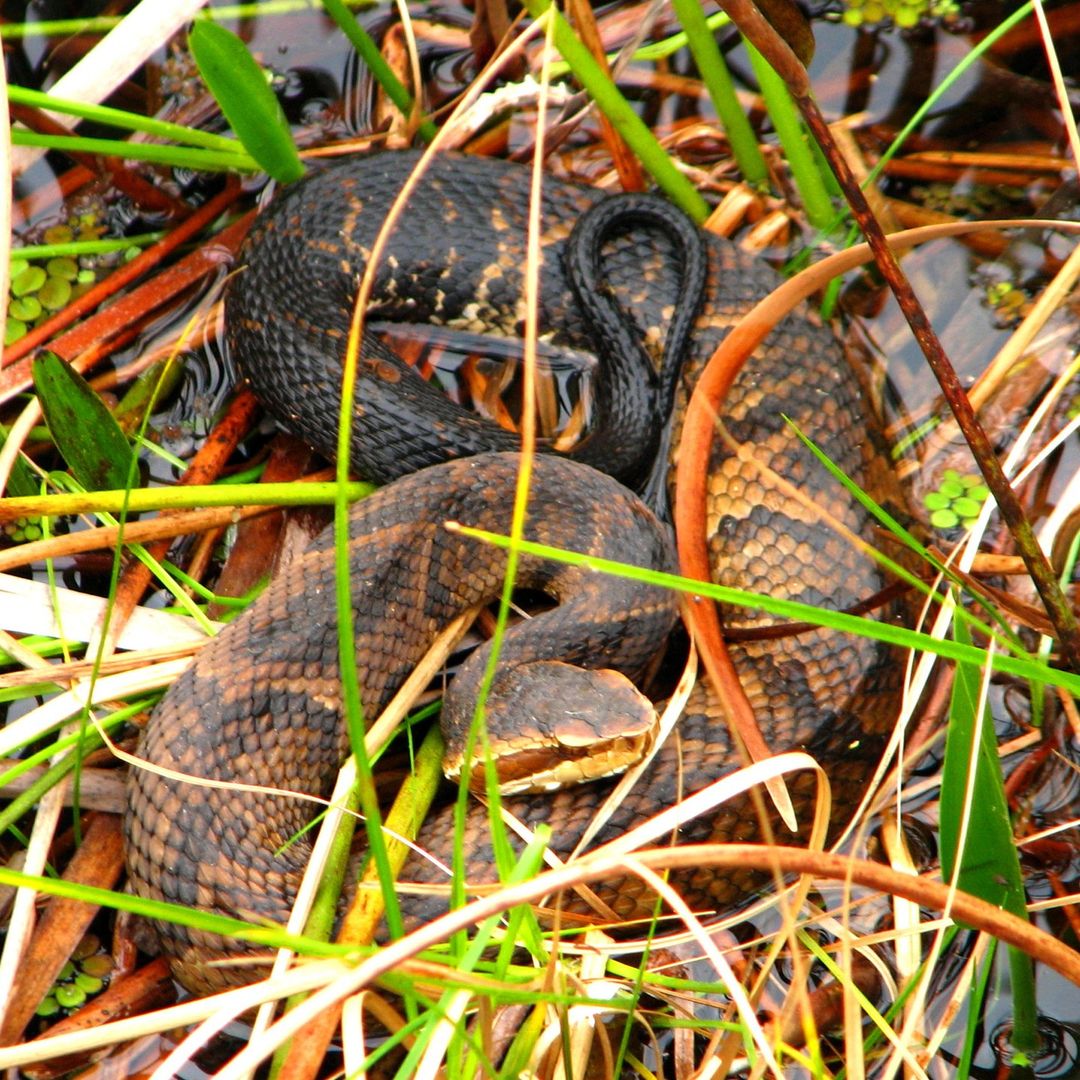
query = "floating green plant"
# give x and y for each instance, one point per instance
(84, 975)
(904, 13)
(47, 277)
(24, 529)
(957, 500)
(1008, 301)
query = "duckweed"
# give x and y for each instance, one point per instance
(957, 500)
(904, 13)
(24, 529)
(84, 975)
(39, 288)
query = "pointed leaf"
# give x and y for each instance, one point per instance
(988, 865)
(239, 86)
(85, 433)
(21, 482)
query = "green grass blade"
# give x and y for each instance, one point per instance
(527, 867)
(64, 742)
(717, 78)
(654, 50)
(986, 867)
(404, 819)
(101, 24)
(239, 86)
(352, 707)
(271, 937)
(24, 803)
(932, 102)
(127, 121)
(975, 1015)
(182, 156)
(622, 116)
(796, 143)
(1023, 666)
(186, 603)
(85, 247)
(223, 494)
(383, 73)
(1004, 635)
(476, 746)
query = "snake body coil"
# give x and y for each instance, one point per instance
(261, 704)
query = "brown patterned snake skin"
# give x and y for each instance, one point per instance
(260, 704)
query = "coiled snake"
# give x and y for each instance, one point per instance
(260, 704)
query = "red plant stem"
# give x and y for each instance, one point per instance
(123, 276)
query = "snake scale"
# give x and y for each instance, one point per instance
(260, 705)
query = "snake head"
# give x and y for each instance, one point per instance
(551, 725)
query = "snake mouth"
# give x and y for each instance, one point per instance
(534, 770)
(551, 725)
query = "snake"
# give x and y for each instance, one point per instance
(261, 703)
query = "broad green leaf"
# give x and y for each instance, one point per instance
(85, 433)
(987, 866)
(239, 86)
